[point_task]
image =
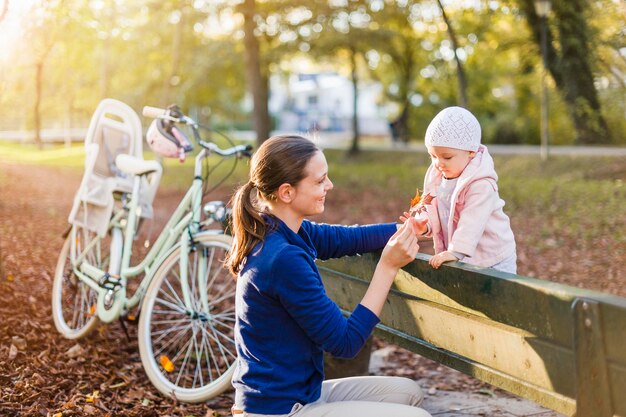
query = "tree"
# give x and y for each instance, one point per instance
(398, 58)
(256, 75)
(461, 78)
(571, 68)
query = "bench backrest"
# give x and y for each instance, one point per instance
(560, 346)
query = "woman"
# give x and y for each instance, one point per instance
(284, 319)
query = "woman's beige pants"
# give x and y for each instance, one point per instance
(361, 396)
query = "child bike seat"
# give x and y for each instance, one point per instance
(114, 129)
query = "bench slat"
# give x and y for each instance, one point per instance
(514, 332)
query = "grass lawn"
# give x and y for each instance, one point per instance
(568, 213)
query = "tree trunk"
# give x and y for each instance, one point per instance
(36, 110)
(402, 124)
(354, 148)
(460, 72)
(571, 69)
(257, 80)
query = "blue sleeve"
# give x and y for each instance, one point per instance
(300, 290)
(335, 241)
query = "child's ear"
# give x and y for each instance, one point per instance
(472, 154)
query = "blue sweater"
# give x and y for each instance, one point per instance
(285, 320)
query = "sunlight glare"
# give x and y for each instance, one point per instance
(11, 29)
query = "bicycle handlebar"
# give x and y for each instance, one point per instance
(235, 150)
(159, 113)
(153, 112)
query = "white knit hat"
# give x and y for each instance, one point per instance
(454, 127)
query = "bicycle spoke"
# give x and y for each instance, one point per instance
(172, 321)
(168, 304)
(198, 372)
(174, 293)
(184, 364)
(216, 338)
(172, 340)
(224, 297)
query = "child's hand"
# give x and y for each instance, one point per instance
(419, 225)
(440, 258)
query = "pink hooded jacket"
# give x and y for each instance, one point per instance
(477, 226)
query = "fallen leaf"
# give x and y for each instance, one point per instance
(92, 311)
(12, 352)
(93, 397)
(166, 363)
(75, 351)
(486, 391)
(19, 343)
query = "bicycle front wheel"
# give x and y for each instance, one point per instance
(74, 302)
(188, 349)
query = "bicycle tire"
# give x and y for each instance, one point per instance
(74, 302)
(198, 346)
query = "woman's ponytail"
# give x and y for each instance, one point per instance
(248, 227)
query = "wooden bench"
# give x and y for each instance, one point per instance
(560, 346)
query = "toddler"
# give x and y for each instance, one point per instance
(461, 200)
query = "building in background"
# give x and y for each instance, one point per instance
(323, 102)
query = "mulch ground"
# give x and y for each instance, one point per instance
(43, 374)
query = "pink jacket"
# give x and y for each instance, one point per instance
(477, 226)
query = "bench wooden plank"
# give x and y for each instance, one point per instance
(490, 293)
(511, 331)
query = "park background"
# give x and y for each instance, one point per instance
(58, 59)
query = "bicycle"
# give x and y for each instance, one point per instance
(186, 318)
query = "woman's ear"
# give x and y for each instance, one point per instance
(285, 193)
(472, 154)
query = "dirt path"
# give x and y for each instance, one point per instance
(42, 374)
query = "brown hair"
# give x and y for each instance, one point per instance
(279, 160)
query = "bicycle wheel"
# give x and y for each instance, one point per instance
(73, 301)
(190, 355)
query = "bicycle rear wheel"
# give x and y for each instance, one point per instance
(190, 354)
(74, 302)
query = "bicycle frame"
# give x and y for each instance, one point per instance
(183, 224)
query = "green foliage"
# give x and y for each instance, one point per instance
(146, 52)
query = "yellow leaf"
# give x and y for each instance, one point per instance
(92, 310)
(10, 278)
(166, 363)
(93, 397)
(57, 415)
(131, 317)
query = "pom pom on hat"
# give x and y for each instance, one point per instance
(454, 127)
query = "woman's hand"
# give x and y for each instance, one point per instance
(440, 258)
(402, 246)
(399, 251)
